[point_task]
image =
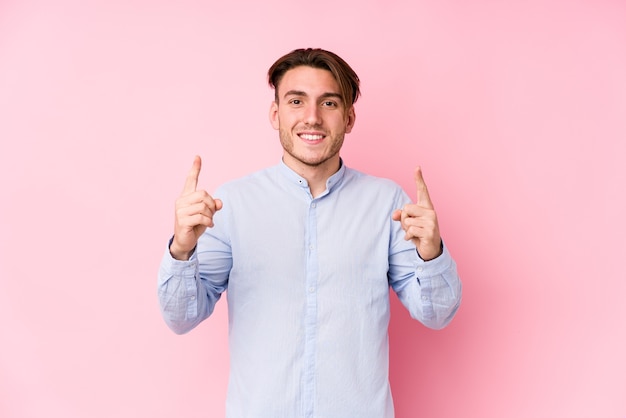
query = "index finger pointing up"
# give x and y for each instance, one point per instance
(192, 178)
(423, 198)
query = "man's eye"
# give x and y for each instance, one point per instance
(330, 104)
(295, 101)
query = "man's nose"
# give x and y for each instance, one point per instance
(312, 115)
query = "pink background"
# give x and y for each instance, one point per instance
(516, 111)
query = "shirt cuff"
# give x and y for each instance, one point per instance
(436, 266)
(178, 268)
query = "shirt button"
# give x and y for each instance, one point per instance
(424, 298)
(420, 269)
(313, 205)
(193, 298)
(311, 247)
(311, 289)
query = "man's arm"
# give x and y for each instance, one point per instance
(187, 287)
(424, 276)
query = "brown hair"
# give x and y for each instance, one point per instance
(317, 58)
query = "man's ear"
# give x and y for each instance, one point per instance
(350, 119)
(274, 115)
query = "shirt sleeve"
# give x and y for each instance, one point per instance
(432, 292)
(189, 290)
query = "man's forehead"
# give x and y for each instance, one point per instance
(303, 78)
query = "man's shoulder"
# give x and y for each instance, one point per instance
(248, 184)
(375, 189)
(361, 178)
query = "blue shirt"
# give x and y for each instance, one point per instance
(308, 284)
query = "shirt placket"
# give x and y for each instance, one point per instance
(310, 323)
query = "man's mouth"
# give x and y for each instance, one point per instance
(311, 137)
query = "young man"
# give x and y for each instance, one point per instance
(308, 250)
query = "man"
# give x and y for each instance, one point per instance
(308, 250)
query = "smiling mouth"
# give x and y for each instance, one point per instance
(311, 137)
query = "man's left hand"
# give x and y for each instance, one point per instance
(419, 221)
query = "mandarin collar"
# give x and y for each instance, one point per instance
(293, 177)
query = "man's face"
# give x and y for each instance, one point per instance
(311, 118)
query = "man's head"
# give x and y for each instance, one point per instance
(313, 108)
(345, 76)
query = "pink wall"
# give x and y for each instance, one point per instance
(515, 110)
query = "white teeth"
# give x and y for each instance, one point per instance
(309, 137)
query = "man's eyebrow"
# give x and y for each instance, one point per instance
(295, 93)
(331, 95)
(304, 94)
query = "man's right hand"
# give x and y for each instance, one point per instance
(194, 213)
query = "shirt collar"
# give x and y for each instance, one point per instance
(332, 182)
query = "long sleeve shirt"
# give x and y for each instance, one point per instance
(307, 283)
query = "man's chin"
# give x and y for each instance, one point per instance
(311, 162)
